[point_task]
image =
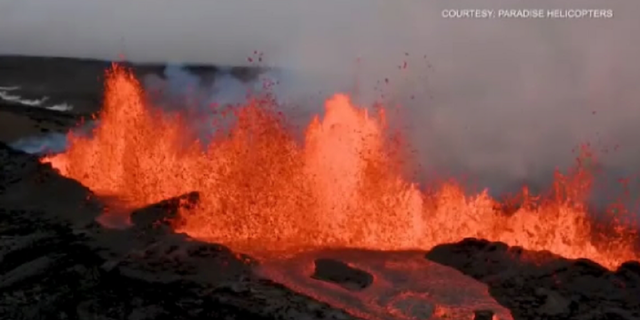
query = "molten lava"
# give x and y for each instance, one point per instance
(402, 289)
(266, 194)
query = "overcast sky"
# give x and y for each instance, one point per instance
(227, 31)
(501, 96)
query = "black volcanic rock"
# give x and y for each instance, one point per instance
(483, 315)
(18, 121)
(630, 271)
(340, 273)
(57, 262)
(163, 212)
(540, 285)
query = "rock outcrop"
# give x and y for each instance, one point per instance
(57, 262)
(342, 274)
(540, 285)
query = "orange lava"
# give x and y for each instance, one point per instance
(402, 288)
(263, 193)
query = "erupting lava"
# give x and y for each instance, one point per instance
(264, 193)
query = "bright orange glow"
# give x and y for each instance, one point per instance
(265, 194)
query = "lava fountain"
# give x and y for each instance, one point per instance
(264, 193)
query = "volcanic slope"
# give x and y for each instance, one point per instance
(56, 262)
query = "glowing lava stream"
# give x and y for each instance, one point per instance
(406, 286)
(264, 194)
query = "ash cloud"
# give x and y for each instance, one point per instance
(504, 100)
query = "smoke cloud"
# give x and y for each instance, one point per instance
(504, 100)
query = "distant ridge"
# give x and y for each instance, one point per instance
(12, 64)
(33, 86)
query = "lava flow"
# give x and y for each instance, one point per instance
(266, 194)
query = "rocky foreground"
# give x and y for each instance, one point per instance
(540, 285)
(56, 262)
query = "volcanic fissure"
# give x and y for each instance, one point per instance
(264, 193)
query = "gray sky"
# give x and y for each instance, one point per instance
(502, 97)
